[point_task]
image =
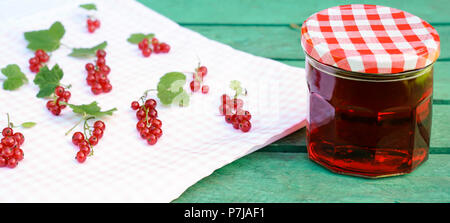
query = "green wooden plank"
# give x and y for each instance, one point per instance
(440, 132)
(280, 11)
(291, 177)
(280, 41)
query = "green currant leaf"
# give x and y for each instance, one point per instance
(182, 99)
(14, 77)
(48, 80)
(89, 6)
(91, 109)
(28, 124)
(136, 38)
(170, 86)
(47, 39)
(87, 52)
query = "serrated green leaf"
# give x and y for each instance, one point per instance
(136, 38)
(91, 109)
(28, 124)
(87, 52)
(47, 39)
(48, 80)
(89, 6)
(170, 86)
(14, 77)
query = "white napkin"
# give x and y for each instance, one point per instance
(196, 139)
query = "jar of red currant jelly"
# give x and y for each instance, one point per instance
(370, 78)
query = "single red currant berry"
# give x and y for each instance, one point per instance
(202, 70)
(101, 61)
(150, 103)
(44, 58)
(91, 28)
(89, 66)
(96, 88)
(35, 68)
(152, 139)
(59, 91)
(7, 131)
(33, 60)
(156, 48)
(98, 133)
(145, 132)
(90, 22)
(245, 125)
(146, 52)
(135, 105)
(140, 125)
(93, 140)
(8, 151)
(156, 123)
(225, 109)
(105, 69)
(205, 89)
(90, 80)
(20, 139)
(100, 52)
(85, 149)
(3, 161)
(99, 125)
(195, 86)
(55, 110)
(12, 162)
(152, 113)
(81, 157)
(9, 141)
(157, 132)
(39, 53)
(228, 118)
(107, 87)
(77, 138)
(165, 48)
(51, 104)
(18, 154)
(155, 41)
(83, 143)
(140, 114)
(247, 115)
(67, 95)
(96, 23)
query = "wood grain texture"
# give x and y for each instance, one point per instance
(281, 172)
(291, 177)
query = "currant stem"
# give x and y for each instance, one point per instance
(81, 120)
(144, 96)
(9, 123)
(295, 26)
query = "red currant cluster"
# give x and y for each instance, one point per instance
(157, 47)
(39, 59)
(149, 126)
(10, 151)
(97, 76)
(85, 144)
(93, 24)
(197, 83)
(60, 95)
(240, 119)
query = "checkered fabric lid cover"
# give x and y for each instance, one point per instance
(370, 39)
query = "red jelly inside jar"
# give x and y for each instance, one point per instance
(368, 125)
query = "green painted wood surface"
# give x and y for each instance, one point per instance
(281, 171)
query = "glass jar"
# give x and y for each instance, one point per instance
(370, 125)
(369, 70)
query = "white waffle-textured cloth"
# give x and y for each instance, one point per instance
(196, 139)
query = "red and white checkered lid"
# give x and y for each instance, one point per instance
(370, 39)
